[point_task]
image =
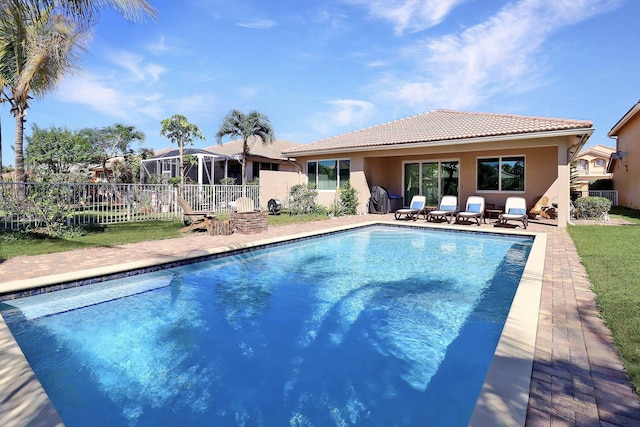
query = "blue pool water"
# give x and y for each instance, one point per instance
(380, 326)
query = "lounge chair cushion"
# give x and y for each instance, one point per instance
(517, 211)
(474, 207)
(416, 205)
(448, 208)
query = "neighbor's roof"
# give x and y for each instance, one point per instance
(623, 121)
(598, 150)
(256, 148)
(441, 126)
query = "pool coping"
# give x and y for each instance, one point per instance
(502, 401)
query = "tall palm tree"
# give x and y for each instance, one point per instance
(134, 10)
(40, 42)
(37, 48)
(250, 127)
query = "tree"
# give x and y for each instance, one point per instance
(249, 127)
(114, 141)
(37, 47)
(40, 41)
(179, 131)
(57, 151)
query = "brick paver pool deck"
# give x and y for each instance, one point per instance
(578, 378)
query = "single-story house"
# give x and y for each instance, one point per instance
(447, 152)
(591, 165)
(625, 162)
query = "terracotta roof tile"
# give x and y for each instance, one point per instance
(441, 125)
(256, 148)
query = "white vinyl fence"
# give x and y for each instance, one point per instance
(25, 205)
(607, 194)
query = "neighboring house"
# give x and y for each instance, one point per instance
(205, 168)
(263, 157)
(591, 165)
(450, 152)
(102, 173)
(625, 162)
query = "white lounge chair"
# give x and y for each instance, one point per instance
(474, 210)
(416, 208)
(515, 209)
(446, 211)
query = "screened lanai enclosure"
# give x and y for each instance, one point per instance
(201, 167)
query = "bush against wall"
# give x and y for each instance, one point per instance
(303, 199)
(349, 199)
(592, 207)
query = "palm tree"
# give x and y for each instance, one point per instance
(116, 140)
(87, 10)
(40, 41)
(179, 131)
(37, 48)
(249, 127)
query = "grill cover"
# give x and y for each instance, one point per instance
(379, 201)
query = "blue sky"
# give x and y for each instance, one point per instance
(319, 69)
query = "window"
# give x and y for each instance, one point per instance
(582, 165)
(263, 166)
(328, 174)
(599, 163)
(501, 174)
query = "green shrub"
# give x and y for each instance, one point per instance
(349, 199)
(592, 207)
(303, 199)
(601, 185)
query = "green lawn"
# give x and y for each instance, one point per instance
(611, 256)
(14, 244)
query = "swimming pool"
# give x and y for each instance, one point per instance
(329, 331)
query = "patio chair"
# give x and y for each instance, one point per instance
(416, 208)
(447, 209)
(515, 209)
(244, 204)
(474, 210)
(197, 219)
(541, 208)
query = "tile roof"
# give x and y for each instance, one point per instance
(270, 151)
(440, 126)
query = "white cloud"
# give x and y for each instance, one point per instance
(135, 64)
(410, 15)
(343, 113)
(258, 24)
(502, 55)
(88, 90)
(162, 46)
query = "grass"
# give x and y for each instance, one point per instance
(611, 256)
(13, 244)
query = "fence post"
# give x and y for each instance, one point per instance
(68, 205)
(129, 202)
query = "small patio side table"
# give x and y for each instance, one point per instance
(492, 213)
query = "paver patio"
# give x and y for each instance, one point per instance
(578, 378)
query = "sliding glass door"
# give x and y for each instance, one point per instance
(431, 179)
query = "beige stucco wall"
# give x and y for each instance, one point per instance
(276, 185)
(544, 158)
(626, 173)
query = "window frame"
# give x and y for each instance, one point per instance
(500, 159)
(337, 165)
